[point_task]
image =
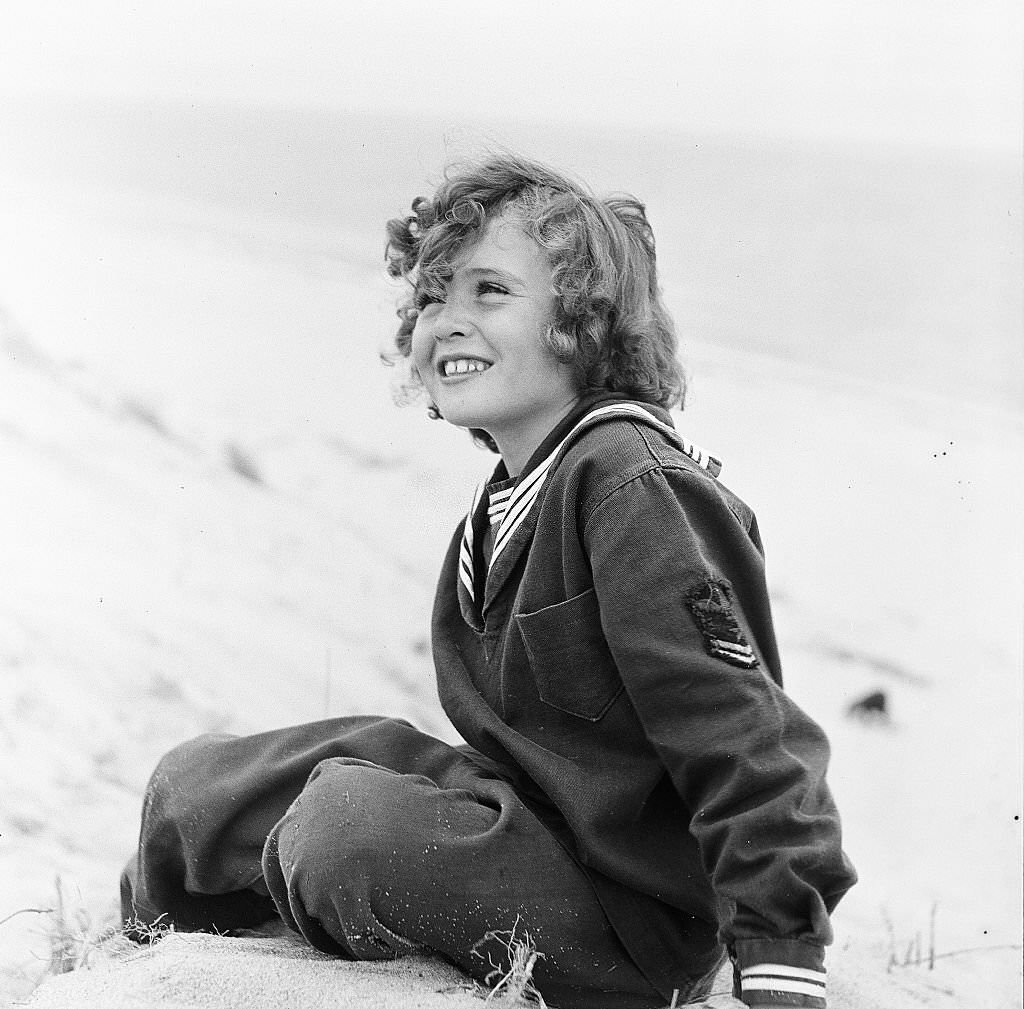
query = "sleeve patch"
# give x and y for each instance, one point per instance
(723, 638)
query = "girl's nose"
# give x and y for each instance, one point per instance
(443, 335)
(450, 322)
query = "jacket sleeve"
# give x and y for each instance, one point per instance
(680, 582)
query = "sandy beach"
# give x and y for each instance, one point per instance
(213, 517)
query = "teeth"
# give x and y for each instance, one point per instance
(464, 366)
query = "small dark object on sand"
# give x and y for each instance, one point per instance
(873, 707)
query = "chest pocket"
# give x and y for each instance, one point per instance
(569, 657)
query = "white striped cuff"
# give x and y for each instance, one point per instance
(772, 982)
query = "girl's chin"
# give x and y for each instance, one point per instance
(458, 412)
(464, 419)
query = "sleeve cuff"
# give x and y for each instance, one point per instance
(783, 972)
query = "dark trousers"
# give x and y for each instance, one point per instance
(370, 838)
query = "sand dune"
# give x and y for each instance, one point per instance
(266, 973)
(213, 517)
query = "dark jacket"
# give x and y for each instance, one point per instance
(620, 665)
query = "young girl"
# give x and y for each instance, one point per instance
(637, 795)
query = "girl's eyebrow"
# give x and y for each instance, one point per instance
(493, 271)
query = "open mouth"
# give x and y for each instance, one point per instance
(462, 366)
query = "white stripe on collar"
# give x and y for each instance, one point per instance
(466, 551)
(497, 505)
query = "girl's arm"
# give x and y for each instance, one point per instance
(680, 582)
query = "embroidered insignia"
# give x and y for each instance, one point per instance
(723, 637)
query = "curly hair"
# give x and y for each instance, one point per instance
(610, 326)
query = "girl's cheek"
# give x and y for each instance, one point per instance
(419, 356)
(416, 345)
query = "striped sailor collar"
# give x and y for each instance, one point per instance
(518, 495)
(498, 494)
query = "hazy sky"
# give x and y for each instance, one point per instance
(921, 70)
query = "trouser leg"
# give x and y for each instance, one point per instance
(369, 863)
(398, 840)
(212, 801)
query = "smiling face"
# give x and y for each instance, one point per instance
(479, 348)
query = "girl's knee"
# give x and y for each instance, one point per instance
(351, 810)
(174, 790)
(331, 854)
(184, 757)
(356, 826)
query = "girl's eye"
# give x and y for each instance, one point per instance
(490, 287)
